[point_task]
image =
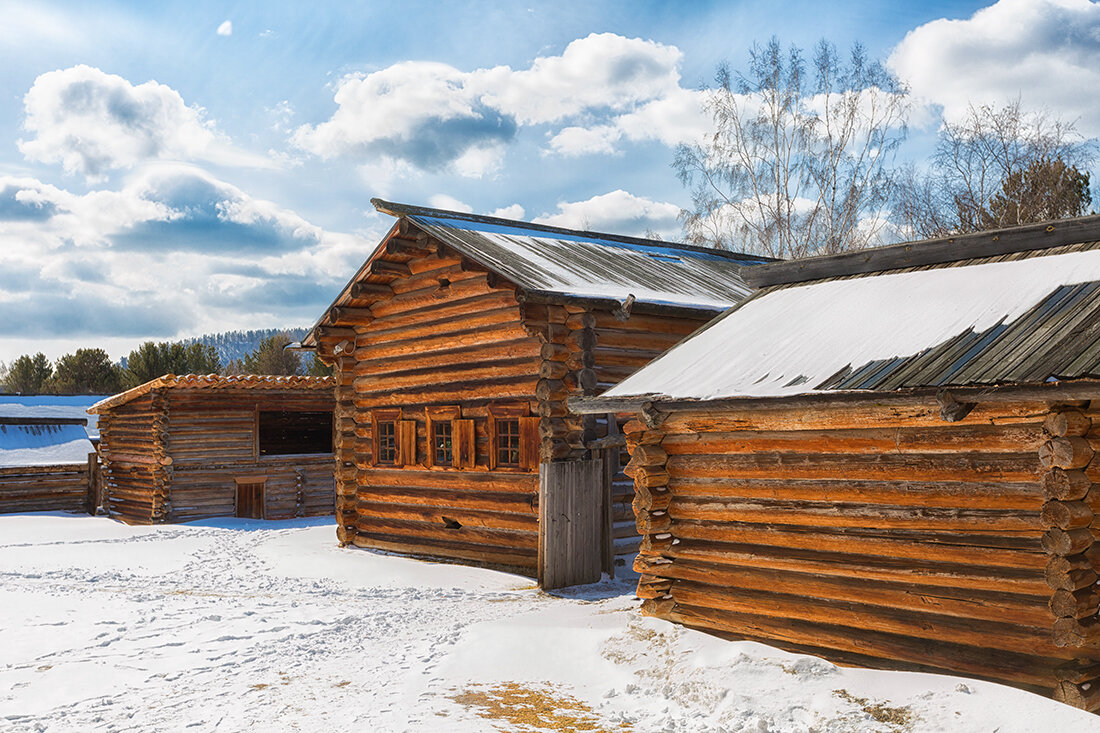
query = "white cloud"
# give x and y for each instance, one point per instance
(421, 112)
(618, 212)
(92, 122)
(450, 203)
(1047, 52)
(514, 211)
(175, 250)
(226, 28)
(601, 71)
(437, 117)
(572, 141)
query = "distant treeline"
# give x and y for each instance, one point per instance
(90, 371)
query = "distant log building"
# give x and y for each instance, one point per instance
(192, 447)
(887, 458)
(44, 461)
(456, 346)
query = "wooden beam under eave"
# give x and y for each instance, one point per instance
(328, 332)
(369, 290)
(385, 267)
(410, 248)
(347, 315)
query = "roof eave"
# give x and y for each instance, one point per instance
(1077, 389)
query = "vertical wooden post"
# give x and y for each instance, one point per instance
(570, 527)
(611, 458)
(93, 483)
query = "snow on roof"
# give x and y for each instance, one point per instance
(43, 445)
(1019, 321)
(46, 406)
(550, 259)
(215, 381)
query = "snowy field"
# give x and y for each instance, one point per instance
(245, 625)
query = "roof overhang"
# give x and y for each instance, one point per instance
(1078, 389)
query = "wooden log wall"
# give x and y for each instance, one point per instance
(44, 488)
(175, 455)
(879, 536)
(210, 436)
(430, 330)
(425, 328)
(1069, 515)
(132, 461)
(597, 349)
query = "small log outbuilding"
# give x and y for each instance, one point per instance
(47, 462)
(456, 346)
(886, 458)
(177, 449)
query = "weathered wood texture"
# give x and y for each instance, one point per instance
(177, 454)
(874, 535)
(44, 488)
(570, 541)
(440, 335)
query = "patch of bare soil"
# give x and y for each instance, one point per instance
(531, 709)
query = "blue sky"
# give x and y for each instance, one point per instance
(169, 169)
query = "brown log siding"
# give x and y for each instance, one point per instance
(880, 536)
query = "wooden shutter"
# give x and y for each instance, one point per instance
(529, 442)
(406, 443)
(463, 443)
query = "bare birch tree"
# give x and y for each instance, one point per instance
(975, 178)
(795, 165)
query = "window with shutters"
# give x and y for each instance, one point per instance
(451, 440)
(507, 442)
(442, 445)
(384, 433)
(513, 438)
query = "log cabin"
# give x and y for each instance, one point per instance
(455, 347)
(181, 448)
(886, 458)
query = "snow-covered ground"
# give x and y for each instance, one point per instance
(246, 625)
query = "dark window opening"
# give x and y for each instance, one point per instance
(507, 442)
(294, 433)
(387, 441)
(442, 443)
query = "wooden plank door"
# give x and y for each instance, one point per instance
(250, 499)
(571, 523)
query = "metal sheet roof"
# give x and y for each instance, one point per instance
(1027, 320)
(549, 259)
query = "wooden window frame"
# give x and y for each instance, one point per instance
(381, 416)
(434, 415)
(258, 457)
(528, 437)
